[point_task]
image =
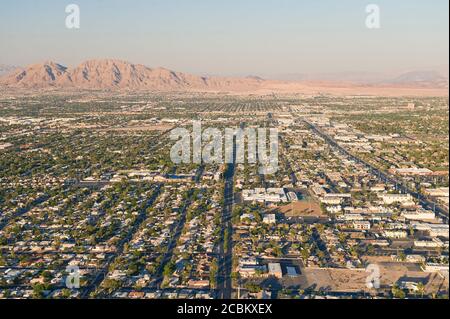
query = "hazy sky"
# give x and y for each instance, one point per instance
(230, 36)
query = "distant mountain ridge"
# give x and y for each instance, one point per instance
(113, 75)
(422, 78)
(5, 69)
(418, 78)
(116, 74)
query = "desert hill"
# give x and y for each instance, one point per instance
(110, 74)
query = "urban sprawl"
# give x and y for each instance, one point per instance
(87, 183)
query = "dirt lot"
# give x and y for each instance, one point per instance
(354, 280)
(301, 208)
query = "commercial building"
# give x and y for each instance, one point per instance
(275, 270)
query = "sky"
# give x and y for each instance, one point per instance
(230, 37)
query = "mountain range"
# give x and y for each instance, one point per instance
(110, 74)
(115, 74)
(427, 78)
(423, 78)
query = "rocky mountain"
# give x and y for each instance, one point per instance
(108, 74)
(116, 74)
(36, 75)
(5, 69)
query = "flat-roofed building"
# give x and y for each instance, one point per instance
(361, 225)
(411, 171)
(390, 199)
(439, 230)
(275, 270)
(434, 243)
(438, 192)
(419, 215)
(395, 234)
(270, 219)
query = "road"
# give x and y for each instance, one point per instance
(224, 280)
(287, 163)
